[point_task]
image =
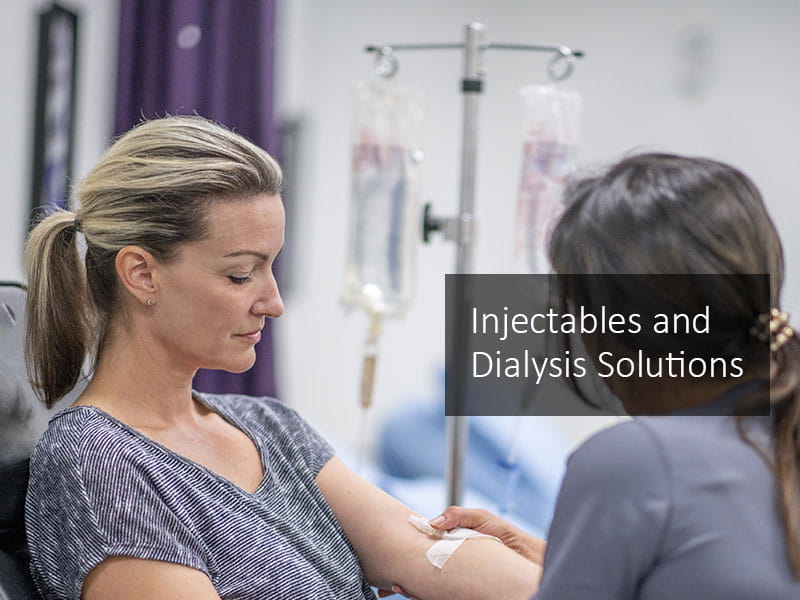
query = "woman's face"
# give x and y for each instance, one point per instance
(215, 295)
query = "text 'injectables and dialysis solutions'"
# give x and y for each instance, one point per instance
(637, 363)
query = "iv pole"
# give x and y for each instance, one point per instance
(460, 229)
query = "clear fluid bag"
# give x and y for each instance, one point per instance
(386, 186)
(551, 122)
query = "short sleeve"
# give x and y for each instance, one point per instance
(89, 499)
(281, 425)
(610, 517)
(314, 448)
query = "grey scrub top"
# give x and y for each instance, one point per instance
(666, 508)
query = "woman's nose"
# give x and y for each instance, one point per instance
(269, 303)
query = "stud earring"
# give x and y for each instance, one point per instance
(150, 302)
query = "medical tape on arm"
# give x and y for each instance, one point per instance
(449, 541)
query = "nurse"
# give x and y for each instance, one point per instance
(679, 506)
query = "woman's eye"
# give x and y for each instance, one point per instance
(239, 280)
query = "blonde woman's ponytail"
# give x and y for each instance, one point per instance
(58, 311)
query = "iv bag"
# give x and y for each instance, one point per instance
(386, 185)
(552, 119)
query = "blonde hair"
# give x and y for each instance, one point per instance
(150, 189)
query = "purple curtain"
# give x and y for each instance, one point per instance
(214, 58)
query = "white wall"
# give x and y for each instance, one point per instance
(746, 113)
(94, 119)
(632, 82)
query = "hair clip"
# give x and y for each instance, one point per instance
(773, 327)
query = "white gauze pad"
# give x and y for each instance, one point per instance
(449, 541)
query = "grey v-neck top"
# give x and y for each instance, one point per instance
(661, 508)
(99, 488)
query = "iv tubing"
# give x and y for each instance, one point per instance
(370, 359)
(509, 464)
(368, 380)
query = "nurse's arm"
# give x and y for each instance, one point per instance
(393, 552)
(520, 541)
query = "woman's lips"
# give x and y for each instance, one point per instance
(253, 337)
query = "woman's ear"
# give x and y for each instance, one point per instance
(135, 267)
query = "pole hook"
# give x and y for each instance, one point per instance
(561, 65)
(386, 64)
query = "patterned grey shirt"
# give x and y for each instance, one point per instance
(99, 488)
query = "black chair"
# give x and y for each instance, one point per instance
(15, 579)
(23, 418)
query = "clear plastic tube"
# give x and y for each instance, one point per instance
(368, 369)
(510, 466)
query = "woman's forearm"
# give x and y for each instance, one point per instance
(392, 551)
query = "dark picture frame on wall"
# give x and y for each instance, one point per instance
(54, 121)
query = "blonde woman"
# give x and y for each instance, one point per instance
(144, 489)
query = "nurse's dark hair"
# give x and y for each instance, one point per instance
(667, 214)
(150, 189)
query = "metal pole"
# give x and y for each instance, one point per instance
(460, 228)
(471, 86)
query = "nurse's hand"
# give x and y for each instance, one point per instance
(529, 546)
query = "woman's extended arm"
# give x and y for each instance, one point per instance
(393, 552)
